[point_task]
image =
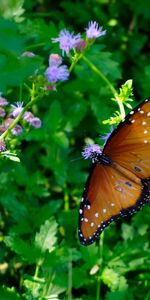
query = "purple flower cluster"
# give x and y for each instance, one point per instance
(91, 150)
(93, 31)
(9, 115)
(68, 41)
(56, 72)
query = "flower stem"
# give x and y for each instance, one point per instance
(70, 275)
(112, 89)
(100, 74)
(74, 61)
(100, 248)
(17, 119)
(121, 107)
(66, 200)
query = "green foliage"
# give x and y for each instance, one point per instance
(40, 256)
(8, 293)
(12, 46)
(12, 9)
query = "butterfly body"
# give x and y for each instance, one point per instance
(119, 181)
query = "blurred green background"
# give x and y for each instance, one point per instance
(40, 255)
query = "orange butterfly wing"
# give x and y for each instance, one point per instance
(108, 195)
(120, 189)
(129, 144)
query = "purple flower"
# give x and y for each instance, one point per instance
(28, 116)
(93, 30)
(2, 129)
(3, 101)
(66, 40)
(57, 73)
(16, 109)
(80, 45)
(2, 146)
(2, 112)
(55, 60)
(28, 54)
(35, 122)
(17, 130)
(8, 122)
(91, 151)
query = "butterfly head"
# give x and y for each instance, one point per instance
(92, 152)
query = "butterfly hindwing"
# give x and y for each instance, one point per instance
(108, 195)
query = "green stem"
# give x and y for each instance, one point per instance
(70, 275)
(112, 89)
(66, 200)
(35, 46)
(36, 275)
(147, 296)
(36, 271)
(76, 58)
(100, 74)
(121, 107)
(17, 119)
(101, 244)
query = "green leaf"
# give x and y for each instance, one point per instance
(126, 93)
(127, 232)
(105, 62)
(12, 9)
(12, 205)
(14, 67)
(7, 293)
(61, 139)
(21, 247)
(110, 278)
(46, 239)
(10, 155)
(54, 117)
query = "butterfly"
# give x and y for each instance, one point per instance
(119, 181)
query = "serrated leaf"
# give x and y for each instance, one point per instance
(21, 247)
(46, 238)
(12, 205)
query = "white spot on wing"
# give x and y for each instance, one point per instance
(96, 215)
(148, 114)
(104, 210)
(92, 224)
(145, 131)
(144, 123)
(145, 142)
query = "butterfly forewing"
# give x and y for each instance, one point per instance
(129, 144)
